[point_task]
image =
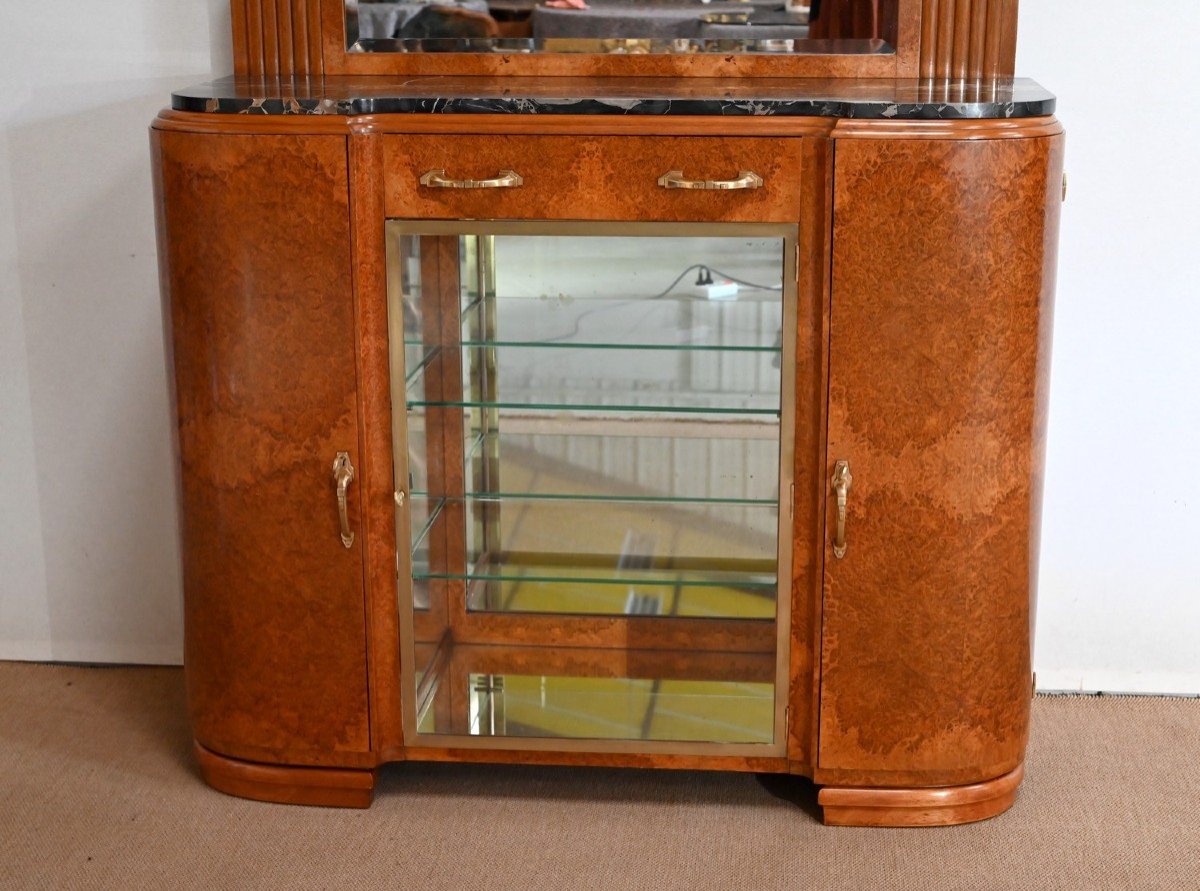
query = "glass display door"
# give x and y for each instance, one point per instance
(592, 435)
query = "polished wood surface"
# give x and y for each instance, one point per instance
(587, 178)
(808, 496)
(256, 272)
(926, 277)
(277, 38)
(495, 124)
(946, 806)
(968, 40)
(959, 131)
(376, 480)
(652, 761)
(314, 786)
(943, 278)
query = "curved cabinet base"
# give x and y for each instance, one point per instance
(319, 786)
(943, 806)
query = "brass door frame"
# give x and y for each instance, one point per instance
(789, 233)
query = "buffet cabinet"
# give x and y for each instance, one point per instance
(689, 443)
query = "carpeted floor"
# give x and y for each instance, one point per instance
(97, 790)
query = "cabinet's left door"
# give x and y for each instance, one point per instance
(254, 244)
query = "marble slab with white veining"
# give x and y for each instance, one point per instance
(798, 97)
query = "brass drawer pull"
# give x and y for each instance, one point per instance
(343, 476)
(841, 485)
(506, 179)
(745, 180)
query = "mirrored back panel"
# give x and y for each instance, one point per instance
(591, 454)
(851, 27)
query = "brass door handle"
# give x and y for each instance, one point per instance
(841, 487)
(746, 179)
(506, 179)
(343, 476)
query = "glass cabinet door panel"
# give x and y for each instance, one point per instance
(591, 423)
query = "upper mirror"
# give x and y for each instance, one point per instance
(622, 26)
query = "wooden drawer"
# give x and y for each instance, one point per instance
(593, 178)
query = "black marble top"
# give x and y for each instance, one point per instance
(801, 97)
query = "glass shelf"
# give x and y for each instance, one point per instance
(691, 348)
(621, 380)
(568, 407)
(752, 323)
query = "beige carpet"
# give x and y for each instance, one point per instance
(97, 790)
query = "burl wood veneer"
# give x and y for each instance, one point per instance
(255, 267)
(925, 284)
(593, 178)
(939, 340)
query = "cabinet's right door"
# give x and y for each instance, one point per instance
(940, 326)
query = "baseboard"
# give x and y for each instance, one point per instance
(25, 651)
(90, 653)
(1118, 683)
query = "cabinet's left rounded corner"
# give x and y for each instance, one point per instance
(316, 786)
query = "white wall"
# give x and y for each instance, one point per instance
(88, 557)
(1120, 583)
(88, 554)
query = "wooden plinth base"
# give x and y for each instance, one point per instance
(320, 786)
(945, 806)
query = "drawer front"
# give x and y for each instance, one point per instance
(593, 178)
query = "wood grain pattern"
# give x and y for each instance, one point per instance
(498, 124)
(809, 450)
(939, 337)
(926, 268)
(257, 286)
(277, 38)
(376, 478)
(691, 665)
(961, 131)
(947, 806)
(592, 178)
(968, 40)
(313, 786)
(658, 761)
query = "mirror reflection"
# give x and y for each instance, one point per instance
(621, 26)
